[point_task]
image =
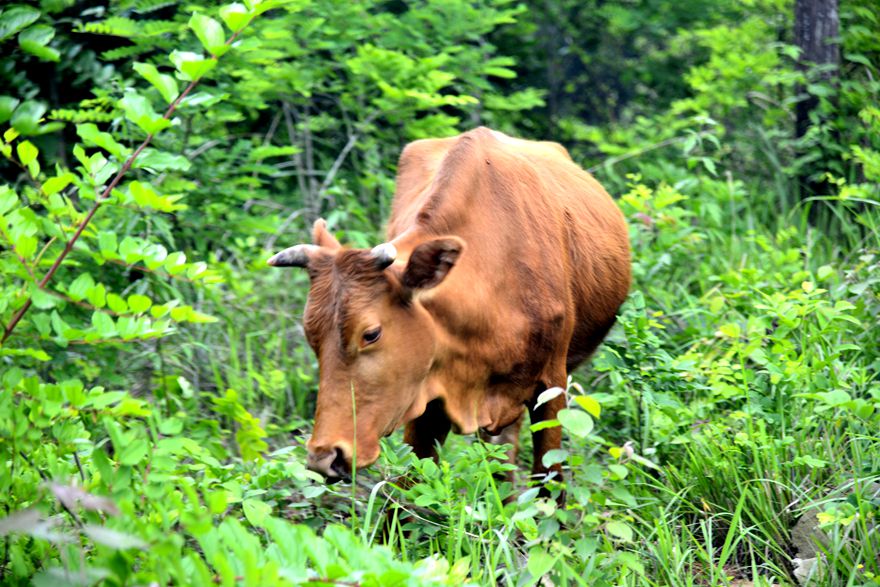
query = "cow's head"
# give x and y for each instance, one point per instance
(375, 343)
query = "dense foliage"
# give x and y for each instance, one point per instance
(155, 387)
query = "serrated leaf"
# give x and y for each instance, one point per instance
(166, 84)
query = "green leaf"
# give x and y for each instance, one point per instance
(139, 303)
(8, 199)
(236, 16)
(540, 562)
(132, 452)
(619, 530)
(16, 18)
(113, 538)
(824, 272)
(139, 110)
(103, 324)
(210, 33)
(576, 422)
(53, 185)
(91, 135)
(166, 84)
(107, 242)
(116, 303)
(7, 107)
(256, 511)
(590, 404)
(161, 161)
(80, 287)
(191, 65)
(27, 154)
(26, 118)
(35, 39)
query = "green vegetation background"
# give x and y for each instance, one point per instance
(155, 394)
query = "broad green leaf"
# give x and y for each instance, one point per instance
(139, 303)
(619, 530)
(26, 118)
(8, 199)
(132, 452)
(161, 161)
(139, 110)
(15, 18)
(210, 33)
(107, 243)
(35, 39)
(576, 422)
(80, 287)
(236, 16)
(7, 107)
(540, 562)
(53, 185)
(824, 272)
(90, 134)
(590, 404)
(113, 538)
(103, 324)
(256, 511)
(166, 84)
(116, 303)
(27, 153)
(191, 65)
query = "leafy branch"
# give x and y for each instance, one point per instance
(199, 25)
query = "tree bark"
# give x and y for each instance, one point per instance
(816, 32)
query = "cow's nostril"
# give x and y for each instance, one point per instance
(330, 463)
(339, 467)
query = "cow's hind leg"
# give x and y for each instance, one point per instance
(425, 432)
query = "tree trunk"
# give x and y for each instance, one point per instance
(816, 31)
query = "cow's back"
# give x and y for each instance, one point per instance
(547, 260)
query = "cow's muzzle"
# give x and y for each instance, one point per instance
(331, 463)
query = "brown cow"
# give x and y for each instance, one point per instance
(504, 269)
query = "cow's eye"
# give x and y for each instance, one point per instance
(372, 335)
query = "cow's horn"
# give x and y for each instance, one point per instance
(384, 254)
(297, 256)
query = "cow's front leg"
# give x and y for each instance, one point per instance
(425, 432)
(546, 439)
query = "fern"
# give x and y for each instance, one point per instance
(123, 52)
(77, 116)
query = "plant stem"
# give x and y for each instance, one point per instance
(16, 318)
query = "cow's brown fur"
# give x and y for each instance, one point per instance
(521, 266)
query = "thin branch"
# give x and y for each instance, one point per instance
(98, 202)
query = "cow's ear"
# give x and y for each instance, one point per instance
(322, 237)
(430, 262)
